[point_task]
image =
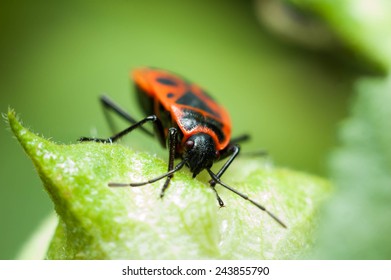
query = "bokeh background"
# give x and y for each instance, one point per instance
(56, 58)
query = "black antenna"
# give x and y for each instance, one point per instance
(218, 181)
(215, 179)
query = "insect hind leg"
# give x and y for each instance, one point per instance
(240, 138)
(115, 137)
(244, 138)
(109, 105)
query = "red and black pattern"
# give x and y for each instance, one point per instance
(190, 107)
(196, 127)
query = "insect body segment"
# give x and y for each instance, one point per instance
(196, 127)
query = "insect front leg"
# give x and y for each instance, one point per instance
(172, 143)
(115, 137)
(232, 150)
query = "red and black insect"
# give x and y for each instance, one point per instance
(197, 128)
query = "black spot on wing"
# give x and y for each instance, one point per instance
(192, 100)
(166, 81)
(191, 119)
(170, 95)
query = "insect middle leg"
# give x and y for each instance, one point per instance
(232, 150)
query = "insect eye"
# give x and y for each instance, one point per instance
(217, 155)
(189, 144)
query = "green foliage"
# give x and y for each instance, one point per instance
(362, 25)
(98, 222)
(357, 222)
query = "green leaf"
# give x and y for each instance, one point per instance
(365, 26)
(99, 222)
(357, 223)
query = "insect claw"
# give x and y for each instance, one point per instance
(212, 183)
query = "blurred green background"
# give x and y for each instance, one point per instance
(57, 58)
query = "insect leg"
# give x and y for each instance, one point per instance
(172, 143)
(109, 104)
(115, 137)
(234, 151)
(240, 138)
(244, 138)
(220, 201)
